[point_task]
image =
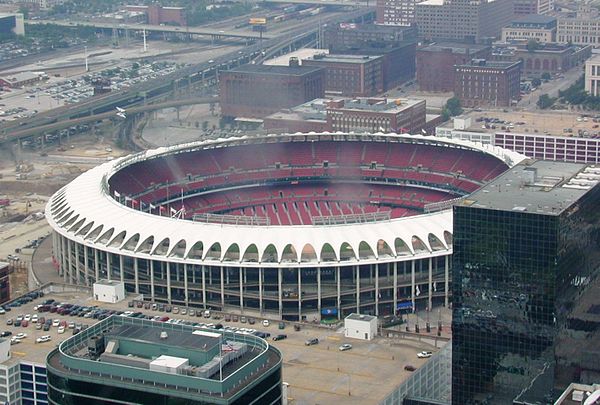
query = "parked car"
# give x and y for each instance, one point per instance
(266, 323)
(61, 329)
(312, 341)
(43, 339)
(281, 325)
(424, 355)
(345, 346)
(409, 367)
(281, 337)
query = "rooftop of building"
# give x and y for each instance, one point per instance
(179, 360)
(543, 187)
(22, 76)
(360, 317)
(577, 394)
(547, 47)
(532, 19)
(303, 53)
(354, 59)
(369, 27)
(490, 64)
(274, 70)
(316, 110)
(454, 47)
(594, 59)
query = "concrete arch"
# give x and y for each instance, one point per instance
(365, 251)
(131, 243)
(162, 248)
(106, 236)
(402, 248)
(94, 234)
(308, 254)
(346, 252)
(418, 244)
(77, 225)
(70, 222)
(328, 253)
(146, 245)
(448, 237)
(289, 254)
(118, 240)
(214, 252)
(232, 254)
(270, 254)
(435, 243)
(83, 231)
(196, 251)
(251, 254)
(62, 219)
(383, 249)
(178, 249)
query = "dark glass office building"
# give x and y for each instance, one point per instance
(526, 263)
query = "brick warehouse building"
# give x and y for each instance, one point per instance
(487, 83)
(550, 58)
(350, 75)
(255, 91)
(435, 63)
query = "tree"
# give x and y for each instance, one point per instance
(533, 45)
(545, 101)
(453, 106)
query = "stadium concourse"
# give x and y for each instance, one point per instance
(295, 226)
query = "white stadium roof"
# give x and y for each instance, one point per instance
(84, 211)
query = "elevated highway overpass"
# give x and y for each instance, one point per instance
(240, 34)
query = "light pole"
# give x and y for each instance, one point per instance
(86, 58)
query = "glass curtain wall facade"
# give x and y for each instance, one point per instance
(517, 280)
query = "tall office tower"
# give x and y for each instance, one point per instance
(526, 267)
(472, 21)
(396, 12)
(525, 7)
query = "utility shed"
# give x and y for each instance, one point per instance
(109, 291)
(360, 326)
(169, 364)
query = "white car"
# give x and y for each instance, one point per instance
(27, 317)
(345, 346)
(56, 323)
(21, 335)
(61, 329)
(424, 355)
(266, 323)
(43, 339)
(34, 318)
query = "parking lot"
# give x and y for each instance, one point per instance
(317, 374)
